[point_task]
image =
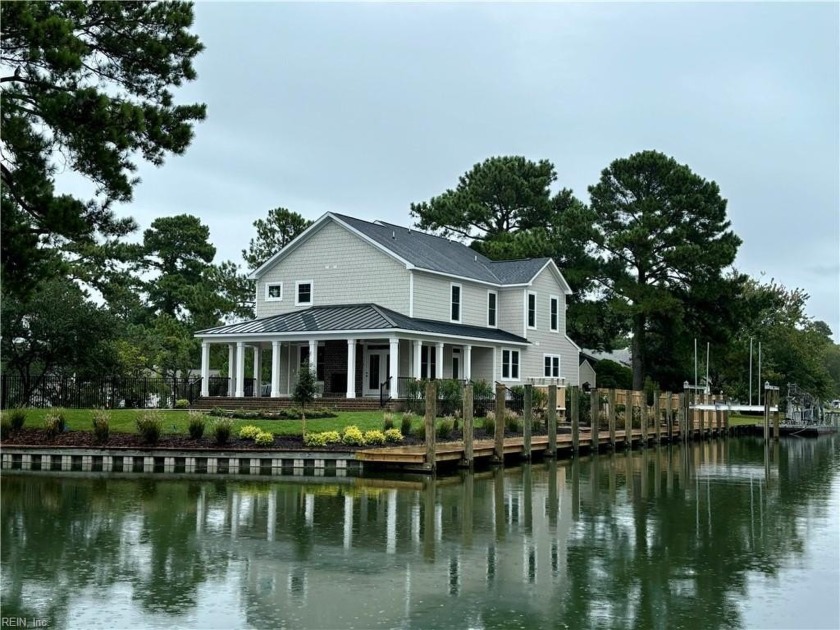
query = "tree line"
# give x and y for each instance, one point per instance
(90, 88)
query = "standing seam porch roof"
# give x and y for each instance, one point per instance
(356, 317)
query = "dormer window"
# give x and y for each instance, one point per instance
(274, 292)
(303, 293)
(455, 303)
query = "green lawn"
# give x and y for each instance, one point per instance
(175, 421)
(737, 419)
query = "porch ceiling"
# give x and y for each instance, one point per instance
(355, 317)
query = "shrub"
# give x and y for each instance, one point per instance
(331, 437)
(249, 432)
(149, 426)
(353, 436)
(393, 436)
(314, 439)
(449, 393)
(5, 427)
(182, 403)
(17, 418)
(444, 429)
(387, 421)
(101, 425)
(419, 431)
(54, 422)
(264, 438)
(222, 430)
(405, 423)
(483, 389)
(513, 422)
(195, 424)
(536, 425)
(539, 398)
(489, 423)
(375, 438)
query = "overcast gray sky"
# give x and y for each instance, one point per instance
(365, 108)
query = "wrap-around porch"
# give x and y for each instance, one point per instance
(349, 367)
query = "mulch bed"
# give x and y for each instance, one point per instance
(85, 439)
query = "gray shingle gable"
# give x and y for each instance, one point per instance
(435, 253)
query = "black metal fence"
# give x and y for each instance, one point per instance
(450, 396)
(105, 392)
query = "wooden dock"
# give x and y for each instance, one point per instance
(414, 458)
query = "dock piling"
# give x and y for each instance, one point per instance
(574, 394)
(499, 444)
(429, 420)
(552, 421)
(527, 420)
(469, 428)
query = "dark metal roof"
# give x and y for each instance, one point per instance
(436, 253)
(356, 317)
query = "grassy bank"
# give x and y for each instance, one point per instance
(175, 421)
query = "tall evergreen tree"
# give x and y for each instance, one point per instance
(87, 86)
(274, 232)
(661, 231)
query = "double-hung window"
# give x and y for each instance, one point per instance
(492, 306)
(551, 364)
(455, 303)
(510, 365)
(303, 293)
(554, 313)
(532, 310)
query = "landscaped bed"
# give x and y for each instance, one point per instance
(124, 429)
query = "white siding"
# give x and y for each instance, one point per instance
(587, 374)
(543, 340)
(510, 310)
(344, 269)
(432, 299)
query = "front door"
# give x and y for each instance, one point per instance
(377, 370)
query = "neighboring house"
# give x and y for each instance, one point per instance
(373, 305)
(586, 370)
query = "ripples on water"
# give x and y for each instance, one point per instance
(716, 535)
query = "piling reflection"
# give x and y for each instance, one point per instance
(665, 537)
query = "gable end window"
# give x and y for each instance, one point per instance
(551, 363)
(510, 365)
(554, 314)
(274, 292)
(492, 305)
(455, 303)
(303, 293)
(532, 310)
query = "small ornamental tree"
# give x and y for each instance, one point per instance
(305, 390)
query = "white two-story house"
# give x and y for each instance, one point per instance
(372, 305)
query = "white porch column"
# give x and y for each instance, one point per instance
(439, 361)
(275, 369)
(205, 368)
(313, 356)
(394, 359)
(495, 365)
(240, 369)
(467, 363)
(418, 350)
(231, 369)
(257, 371)
(351, 368)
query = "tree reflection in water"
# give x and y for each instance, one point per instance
(661, 538)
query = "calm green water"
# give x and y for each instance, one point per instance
(716, 535)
